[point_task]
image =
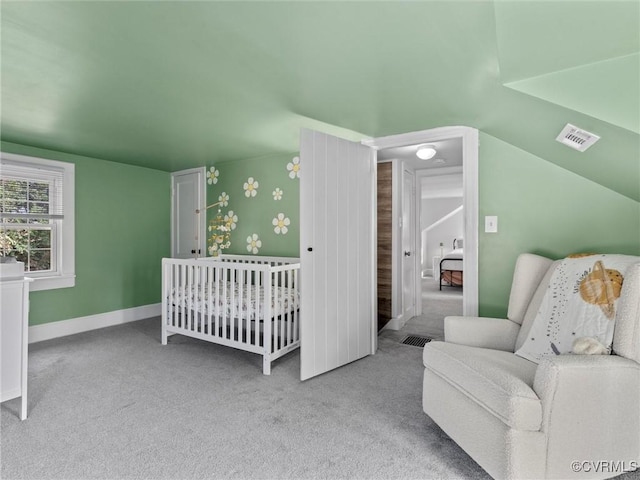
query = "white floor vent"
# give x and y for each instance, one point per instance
(577, 138)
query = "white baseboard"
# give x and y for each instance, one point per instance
(395, 323)
(47, 331)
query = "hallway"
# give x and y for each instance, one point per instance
(436, 304)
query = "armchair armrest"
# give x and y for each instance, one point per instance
(483, 332)
(590, 409)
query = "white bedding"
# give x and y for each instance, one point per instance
(283, 300)
(456, 254)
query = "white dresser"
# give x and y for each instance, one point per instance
(14, 328)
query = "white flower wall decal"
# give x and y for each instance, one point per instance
(294, 168)
(254, 243)
(281, 224)
(222, 228)
(232, 218)
(250, 187)
(212, 175)
(222, 184)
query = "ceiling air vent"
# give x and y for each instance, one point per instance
(577, 138)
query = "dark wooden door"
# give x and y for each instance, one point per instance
(384, 243)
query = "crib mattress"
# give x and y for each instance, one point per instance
(248, 305)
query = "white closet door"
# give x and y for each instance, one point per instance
(187, 227)
(337, 255)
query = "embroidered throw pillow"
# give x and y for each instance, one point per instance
(580, 301)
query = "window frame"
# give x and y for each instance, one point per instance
(63, 242)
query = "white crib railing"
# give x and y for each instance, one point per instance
(245, 302)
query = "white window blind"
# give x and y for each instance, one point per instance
(31, 192)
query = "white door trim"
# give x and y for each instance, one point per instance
(414, 309)
(374, 251)
(202, 195)
(397, 305)
(470, 144)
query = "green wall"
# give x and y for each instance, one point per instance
(122, 232)
(542, 209)
(255, 214)
(123, 223)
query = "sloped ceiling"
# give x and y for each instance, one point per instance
(172, 85)
(585, 58)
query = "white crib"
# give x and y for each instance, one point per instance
(224, 300)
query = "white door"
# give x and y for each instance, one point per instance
(408, 247)
(337, 236)
(187, 226)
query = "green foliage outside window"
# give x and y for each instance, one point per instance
(26, 238)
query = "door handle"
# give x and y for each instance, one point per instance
(407, 254)
(193, 251)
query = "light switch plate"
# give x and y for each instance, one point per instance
(491, 224)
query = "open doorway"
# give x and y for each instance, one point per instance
(443, 254)
(441, 243)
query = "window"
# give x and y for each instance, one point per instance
(37, 218)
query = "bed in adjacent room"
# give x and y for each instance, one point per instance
(452, 266)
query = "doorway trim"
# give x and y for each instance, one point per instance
(470, 145)
(413, 229)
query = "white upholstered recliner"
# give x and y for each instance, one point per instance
(518, 419)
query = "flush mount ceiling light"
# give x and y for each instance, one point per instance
(425, 152)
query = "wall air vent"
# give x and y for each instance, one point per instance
(577, 138)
